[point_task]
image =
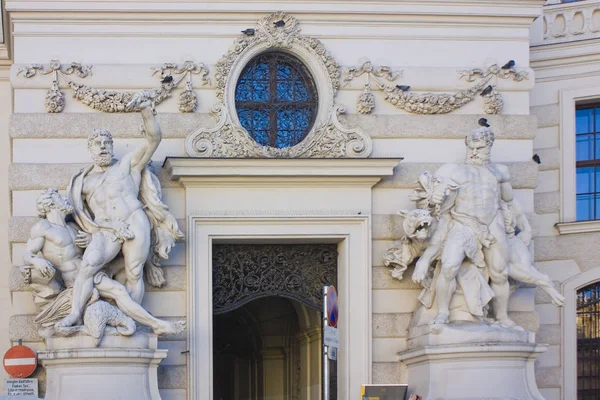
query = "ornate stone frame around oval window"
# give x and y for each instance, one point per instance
(327, 137)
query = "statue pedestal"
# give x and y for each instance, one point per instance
(120, 368)
(471, 361)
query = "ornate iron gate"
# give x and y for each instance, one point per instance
(244, 272)
(588, 342)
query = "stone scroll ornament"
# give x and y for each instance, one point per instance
(402, 96)
(329, 138)
(88, 261)
(466, 237)
(111, 101)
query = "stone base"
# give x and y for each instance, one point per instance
(450, 362)
(120, 368)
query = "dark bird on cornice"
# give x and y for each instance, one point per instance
(509, 64)
(404, 88)
(536, 158)
(487, 90)
(483, 122)
(279, 24)
(248, 32)
(167, 79)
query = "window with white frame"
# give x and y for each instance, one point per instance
(587, 154)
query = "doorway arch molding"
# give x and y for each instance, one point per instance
(352, 235)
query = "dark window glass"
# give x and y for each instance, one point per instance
(588, 342)
(276, 100)
(587, 152)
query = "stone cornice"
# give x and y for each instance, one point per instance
(565, 228)
(506, 12)
(211, 172)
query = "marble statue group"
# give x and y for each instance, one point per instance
(468, 236)
(91, 253)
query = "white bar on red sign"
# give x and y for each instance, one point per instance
(19, 361)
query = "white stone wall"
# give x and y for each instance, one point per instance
(428, 41)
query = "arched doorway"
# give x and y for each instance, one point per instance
(267, 300)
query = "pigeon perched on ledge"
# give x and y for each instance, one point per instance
(509, 64)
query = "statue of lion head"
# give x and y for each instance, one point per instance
(417, 223)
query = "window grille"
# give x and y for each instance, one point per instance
(588, 342)
(276, 100)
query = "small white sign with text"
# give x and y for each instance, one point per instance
(21, 387)
(330, 337)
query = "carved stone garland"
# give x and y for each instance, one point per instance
(55, 99)
(401, 97)
(114, 101)
(229, 139)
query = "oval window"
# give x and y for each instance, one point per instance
(276, 100)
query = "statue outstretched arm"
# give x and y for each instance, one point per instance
(35, 244)
(152, 135)
(144, 101)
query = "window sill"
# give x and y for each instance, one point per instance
(565, 228)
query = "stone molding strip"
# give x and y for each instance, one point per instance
(133, 77)
(177, 125)
(524, 175)
(80, 125)
(19, 228)
(22, 326)
(25, 176)
(176, 277)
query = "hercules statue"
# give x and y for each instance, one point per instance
(474, 228)
(118, 209)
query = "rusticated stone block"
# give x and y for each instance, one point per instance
(527, 320)
(548, 377)
(391, 325)
(389, 372)
(546, 203)
(172, 377)
(547, 115)
(549, 334)
(23, 327)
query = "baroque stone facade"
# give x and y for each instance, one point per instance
(411, 84)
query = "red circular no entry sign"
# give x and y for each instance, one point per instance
(20, 361)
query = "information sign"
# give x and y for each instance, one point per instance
(21, 387)
(330, 337)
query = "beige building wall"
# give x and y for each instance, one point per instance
(429, 42)
(564, 55)
(5, 211)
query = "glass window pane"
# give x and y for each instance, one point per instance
(585, 207)
(584, 147)
(597, 146)
(585, 180)
(597, 119)
(276, 99)
(584, 120)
